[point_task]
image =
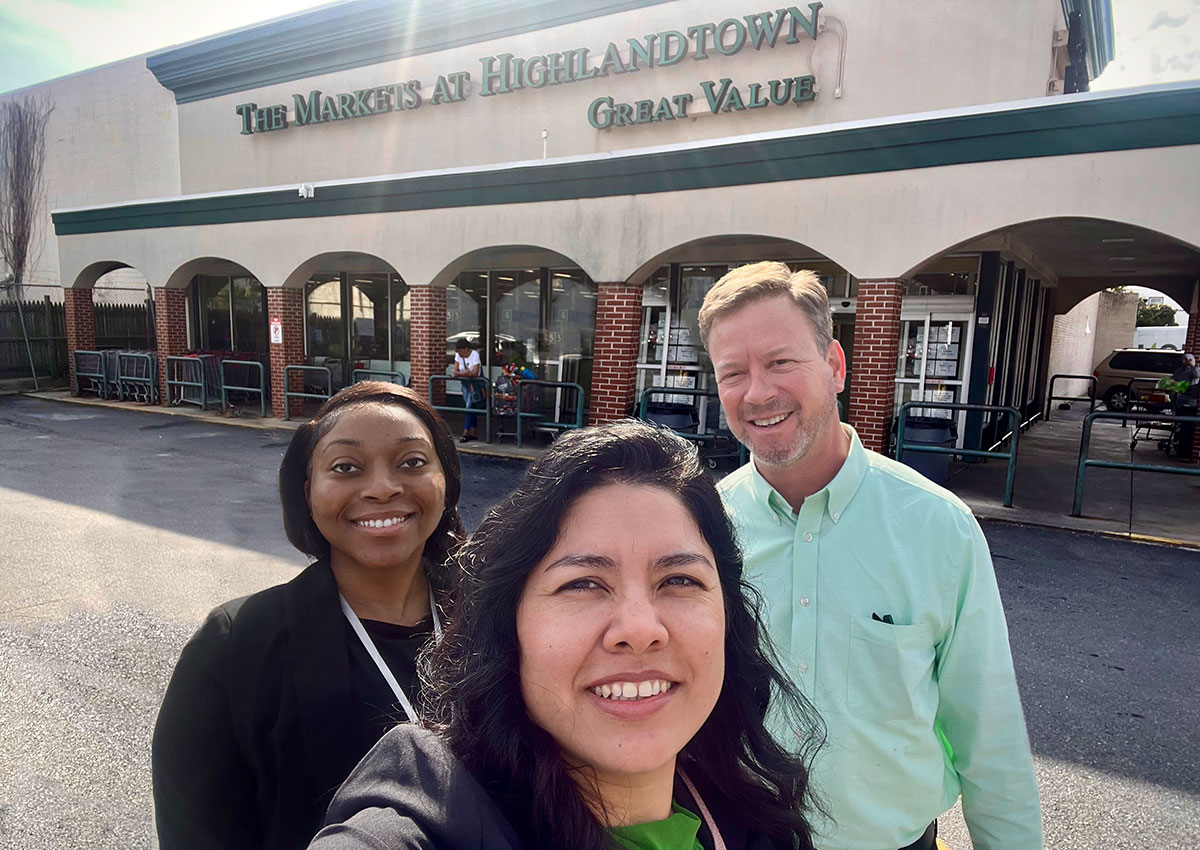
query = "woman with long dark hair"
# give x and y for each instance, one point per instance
(604, 681)
(279, 694)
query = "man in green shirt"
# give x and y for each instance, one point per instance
(879, 585)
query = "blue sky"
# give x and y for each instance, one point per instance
(1157, 40)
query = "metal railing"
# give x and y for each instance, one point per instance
(1091, 396)
(539, 419)
(192, 371)
(698, 436)
(288, 395)
(1141, 397)
(1014, 419)
(261, 389)
(137, 377)
(89, 365)
(485, 400)
(1085, 444)
(369, 375)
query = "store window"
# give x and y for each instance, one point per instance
(571, 320)
(232, 313)
(954, 275)
(671, 353)
(540, 318)
(357, 321)
(325, 330)
(466, 312)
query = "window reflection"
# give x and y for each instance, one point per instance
(542, 318)
(231, 312)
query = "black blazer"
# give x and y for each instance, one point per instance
(256, 730)
(411, 793)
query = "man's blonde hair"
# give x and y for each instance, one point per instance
(756, 281)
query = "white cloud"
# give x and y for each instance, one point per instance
(1157, 41)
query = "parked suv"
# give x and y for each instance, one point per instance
(1117, 369)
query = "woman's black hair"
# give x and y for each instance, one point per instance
(293, 471)
(473, 674)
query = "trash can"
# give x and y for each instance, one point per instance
(929, 431)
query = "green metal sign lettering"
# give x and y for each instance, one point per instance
(505, 73)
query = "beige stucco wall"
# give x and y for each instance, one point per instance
(874, 225)
(900, 58)
(113, 136)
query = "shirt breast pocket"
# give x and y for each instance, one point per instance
(890, 671)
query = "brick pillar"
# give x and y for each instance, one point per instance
(286, 306)
(614, 371)
(427, 339)
(170, 327)
(873, 372)
(81, 325)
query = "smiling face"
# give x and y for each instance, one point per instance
(622, 633)
(376, 488)
(778, 389)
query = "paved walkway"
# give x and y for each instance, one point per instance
(1138, 505)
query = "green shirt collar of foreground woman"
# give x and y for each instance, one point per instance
(677, 832)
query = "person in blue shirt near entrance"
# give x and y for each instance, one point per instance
(879, 584)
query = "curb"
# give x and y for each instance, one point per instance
(1126, 536)
(208, 417)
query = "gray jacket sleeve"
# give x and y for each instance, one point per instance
(411, 793)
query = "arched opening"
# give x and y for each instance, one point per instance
(674, 284)
(524, 308)
(123, 306)
(357, 316)
(1162, 322)
(1031, 300)
(226, 308)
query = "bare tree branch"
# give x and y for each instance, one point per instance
(22, 199)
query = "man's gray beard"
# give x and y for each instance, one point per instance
(805, 437)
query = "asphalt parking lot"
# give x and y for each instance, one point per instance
(124, 528)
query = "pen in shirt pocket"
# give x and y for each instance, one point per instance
(886, 618)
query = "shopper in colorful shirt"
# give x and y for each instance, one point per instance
(603, 677)
(879, 585)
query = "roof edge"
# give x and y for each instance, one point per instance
(353, 35)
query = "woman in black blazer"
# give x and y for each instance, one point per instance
(279, 694)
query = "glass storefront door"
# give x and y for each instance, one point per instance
(356, 321)
(934, 362)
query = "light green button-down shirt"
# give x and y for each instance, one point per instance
(919, 711)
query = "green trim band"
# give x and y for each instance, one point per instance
(1068, 126)
(352, 35)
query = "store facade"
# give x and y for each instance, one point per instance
(562, 183)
